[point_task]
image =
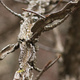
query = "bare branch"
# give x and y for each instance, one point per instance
(46, 28)
(7, 50)
(57, 3)
(61, 1)
(22, 1)
(34, 13)
(40, 24)
(36, 68)
(67, 9)
(16, 14)
(50, 63)
(29, 32)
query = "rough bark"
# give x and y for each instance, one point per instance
(33, 24)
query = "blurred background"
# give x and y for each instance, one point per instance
(65, 38)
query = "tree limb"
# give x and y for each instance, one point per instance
(22, 1)
(7, 50)
(16, 14)
(47, 28)
(50, 63)
(38, 27)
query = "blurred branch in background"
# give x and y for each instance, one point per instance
(32, 26)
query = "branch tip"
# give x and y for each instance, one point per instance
(16, 14)
(46, 67)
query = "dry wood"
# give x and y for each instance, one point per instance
(32, 26)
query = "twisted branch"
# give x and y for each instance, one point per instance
(29, 32)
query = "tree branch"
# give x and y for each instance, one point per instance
(47, 28)
(57, 3)
(16, 14)
(34, 13)
(22, 1)
(29, 32)
(50, 63)
(37, 29)
(7, 50)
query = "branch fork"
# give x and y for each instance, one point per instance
(29, 33)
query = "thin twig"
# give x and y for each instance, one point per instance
(25, 1)
(8, 49)
(37, 69)
(34, 12)
(16, 14)
(50, 63)
(57, 3)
